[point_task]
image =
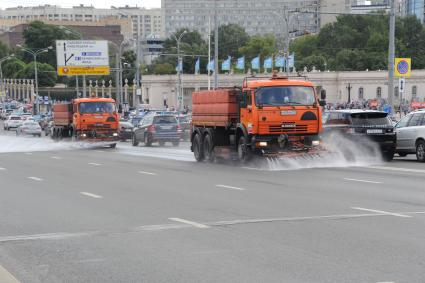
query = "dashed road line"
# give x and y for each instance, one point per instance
(382, 212)
(91, 195)
(49, 236)
(362, 181)
(94, 164)
(28, 153)
(35, 179)
(6, 276)
(2, 169)
(399, 169)
(194, 224)
(55, 157)
(230, 187)
(147, 173)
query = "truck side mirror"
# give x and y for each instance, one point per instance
(323, 94)
(322, 102)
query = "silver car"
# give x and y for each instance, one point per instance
(411, 135)
(29, 128)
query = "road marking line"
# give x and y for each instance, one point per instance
(6, 277)
(55, 157)
(362, 181)
(397, 169)
(100, 151)
(194, 224)
(90, 195)
(381, 212)
(35, 178)
(94, 164)
(28, 153)
(230, 187)
(147, 173)
(49, 236)
(2, 168)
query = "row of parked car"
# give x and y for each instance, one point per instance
(365, 127)
(156, 126)
(24, 123)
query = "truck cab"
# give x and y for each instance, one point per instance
(280, 114)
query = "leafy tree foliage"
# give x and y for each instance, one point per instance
(46, 74)
(11, 68)
(360, 42)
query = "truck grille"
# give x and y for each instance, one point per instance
(97, 126)
(287, 128)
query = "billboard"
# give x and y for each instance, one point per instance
(82, 57)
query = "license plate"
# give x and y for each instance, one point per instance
(288, 112)
(128, 130)
(166, 127)
(374, 131)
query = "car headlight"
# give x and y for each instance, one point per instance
(83, 135)
(315, 143)
(115, 134)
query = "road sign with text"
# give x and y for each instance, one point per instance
(82, 57)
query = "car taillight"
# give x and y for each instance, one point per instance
(151, 128)
(179, 128)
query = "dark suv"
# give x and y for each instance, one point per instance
(157, 128)
(364, 127)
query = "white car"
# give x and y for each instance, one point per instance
(29, 128)
(411, 135)
(12, 122)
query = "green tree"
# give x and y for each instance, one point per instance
(39, 35)
(164, 69)
(46, 74)
(3, 50)
(191, 43)
(230, 38)
(11, 68)
(316, 61)
(259, 45)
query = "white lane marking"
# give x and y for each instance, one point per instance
(6, 277)
(49, 236)
(55, 157)
(2, 168)
(28, 153)
(35, 178)
(194, 224)
(362, 181)
(230, 187)
(90, 195)
(147, 173)
(381, 212)
(397, 169)
(100, 151)
(94, 164)
(386, 282)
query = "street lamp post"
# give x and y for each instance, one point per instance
(34, 53)
(119, 71)
(179, 70)
(1, 71)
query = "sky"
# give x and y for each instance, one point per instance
(69, 3)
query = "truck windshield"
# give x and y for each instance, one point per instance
(96, 107)
(284, 95)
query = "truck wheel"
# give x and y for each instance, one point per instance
(388, 155)
(208, 148)
(198, 148)
(420, 151)
(134, 141)
(244, 154)
(176, 143)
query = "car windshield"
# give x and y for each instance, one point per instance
(368, 119)
(96, 107)
(164, 120)
(284, 95)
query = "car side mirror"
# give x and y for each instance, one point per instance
(323, 94)
(322, 103)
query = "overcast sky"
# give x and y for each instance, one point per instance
(70, 3)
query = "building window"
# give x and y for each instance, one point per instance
(414, 92)
(379, 92)
(361, 93)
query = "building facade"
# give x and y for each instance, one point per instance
(145, 22)
(257, 17)
(417, 8)
(360, 86)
